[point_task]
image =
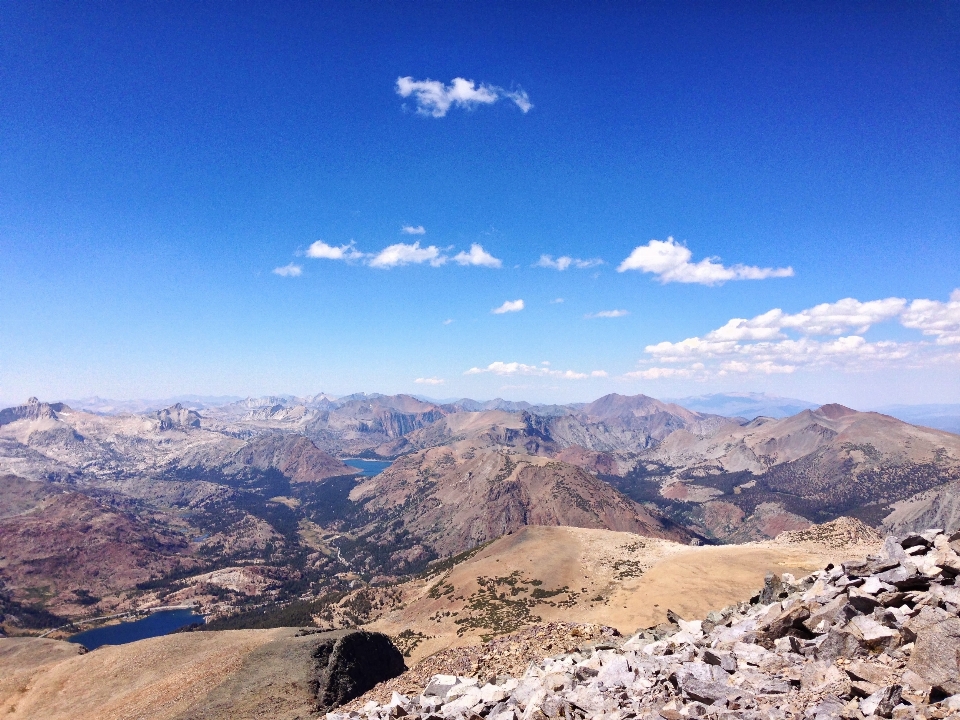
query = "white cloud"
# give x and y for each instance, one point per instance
(852, 351)
(764, 344)
(508, 306)
(843, 316)
(413, 230)
(406, 254)
(433, 98)
(556, 301)
(429, 381)
(476, 256)
(516, 368)
(448, 321)
(403, 254)
(607, 314)
(941, 320)
(564, 261)
(765, 367)
(847, 315)
(520, 99)
(762, 327)
(670, 262)
(322, 251)
(290, 270)
(659, 373)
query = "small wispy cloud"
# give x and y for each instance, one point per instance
(670, 262)
(477, 256)
(320, 250)
(607, 314)
(435, 99)
(401, 253)
(510, 369)
(660, 373)
(508, 307)
(564, 261)
(408, 254)
(413, 230)
(448, 321)
(556, 301)
(290, 270)
(430, 381)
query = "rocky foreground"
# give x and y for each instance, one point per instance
(872, 638)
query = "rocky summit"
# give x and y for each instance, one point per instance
(873, 638)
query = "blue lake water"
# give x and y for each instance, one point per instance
(368, 468)
(159, 623)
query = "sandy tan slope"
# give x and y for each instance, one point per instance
(598, 576)
(236, 674)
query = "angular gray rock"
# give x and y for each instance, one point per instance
(882, 702)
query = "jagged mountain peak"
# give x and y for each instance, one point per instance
(177, 417)
(32, 409)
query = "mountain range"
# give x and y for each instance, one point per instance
(250, 501)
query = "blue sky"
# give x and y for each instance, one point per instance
(158, 164)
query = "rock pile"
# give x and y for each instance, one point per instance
(874, 638)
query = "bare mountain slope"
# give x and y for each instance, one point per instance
(347, 425)
(621, 423)
(832, 429)
(293, 455)
(40, 439)
(936, 508)
(457, 497)
(811, 467)
(67, 550)
(611, 424)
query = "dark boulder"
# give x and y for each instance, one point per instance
(351, 662)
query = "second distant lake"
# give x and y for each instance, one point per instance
(368, 468)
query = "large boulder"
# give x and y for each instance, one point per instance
(936, 655)
(351, 662)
